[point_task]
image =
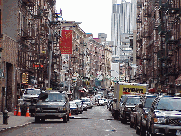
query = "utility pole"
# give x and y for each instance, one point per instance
(50, 56)
(69, 72)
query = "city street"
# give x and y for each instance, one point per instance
(93, 122)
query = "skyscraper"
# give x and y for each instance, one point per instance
(122, 25)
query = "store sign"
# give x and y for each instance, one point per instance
(25, 78)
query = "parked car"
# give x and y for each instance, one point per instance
(29, 97)
(105, 101)
(87, 101)
(127, 107)
(123, 97)
(138, 118)
(84, 107)
(80, 105)
(101, 102)
(164, 116)
(52, 105)
(74, 108)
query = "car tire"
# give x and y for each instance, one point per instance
(135, 123)
(65, 119)
(37, 119)
(77, 112)
(142, 131)
(42, 119)
(68, 118)
(137, 130)
(149, 133)
(123, 120)
(131, 124)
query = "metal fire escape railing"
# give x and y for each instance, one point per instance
(33, 54)
(168, 54)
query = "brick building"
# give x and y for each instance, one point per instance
(158, 43)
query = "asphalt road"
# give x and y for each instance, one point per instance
(94, 122)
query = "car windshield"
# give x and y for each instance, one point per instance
(78, 103)
(32, 91)
(133, 100)
(55, 97)
(169, 104)
(149, 101)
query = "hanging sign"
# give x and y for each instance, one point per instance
(65, 43)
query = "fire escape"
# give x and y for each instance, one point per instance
(26, 41)
(34, 32)
(169, 31)
(139, 41)
(147, 45)
(150, 33)
(55, 25)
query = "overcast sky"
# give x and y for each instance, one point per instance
(95, 15)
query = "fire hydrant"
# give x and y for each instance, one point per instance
(5, 117)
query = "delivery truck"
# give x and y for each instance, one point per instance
(123, 88)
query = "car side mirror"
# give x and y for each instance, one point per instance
(141, 105)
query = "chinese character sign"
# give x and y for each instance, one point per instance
(66, 42)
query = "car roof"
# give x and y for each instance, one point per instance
(133, 97)
(55, 92)
(130, 95)
(170, 97)
(77, 100)
(85, 98)
(71, 102)
(150, 95)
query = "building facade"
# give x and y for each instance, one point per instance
(158, 40)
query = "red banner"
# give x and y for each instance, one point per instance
(66, 42)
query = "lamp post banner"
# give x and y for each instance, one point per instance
(65, 43)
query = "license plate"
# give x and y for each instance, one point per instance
(178, 133)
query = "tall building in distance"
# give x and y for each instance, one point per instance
(123, 22)
(103, 37)
(122, 29)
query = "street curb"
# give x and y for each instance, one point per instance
(9, 128)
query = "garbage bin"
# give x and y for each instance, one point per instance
(5, 116)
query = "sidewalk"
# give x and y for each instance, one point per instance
(14, 121)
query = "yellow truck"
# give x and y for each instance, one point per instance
(123, 88)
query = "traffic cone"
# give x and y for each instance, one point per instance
(19, 112)
(15, 111)
(27, 112)
(70, 113)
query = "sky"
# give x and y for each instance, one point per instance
(95, 15)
